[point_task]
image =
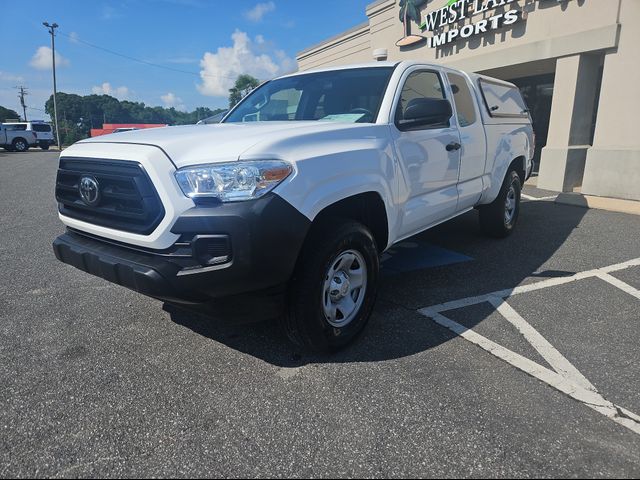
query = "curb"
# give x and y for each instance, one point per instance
(631, 207)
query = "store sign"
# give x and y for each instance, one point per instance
(452, 15)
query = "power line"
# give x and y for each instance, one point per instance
(144, 62)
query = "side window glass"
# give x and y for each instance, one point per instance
(503, 100)
(419, 85)
(465, 104)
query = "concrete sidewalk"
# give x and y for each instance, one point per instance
(601, 203)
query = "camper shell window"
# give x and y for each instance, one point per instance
(503, 100)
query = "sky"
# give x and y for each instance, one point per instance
(211, 42)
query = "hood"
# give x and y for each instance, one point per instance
(224, 142)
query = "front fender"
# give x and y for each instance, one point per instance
(325, 180)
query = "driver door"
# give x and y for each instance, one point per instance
(429, 158)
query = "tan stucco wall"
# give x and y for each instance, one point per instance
(613, 163)
(552, 29)
(567, 34)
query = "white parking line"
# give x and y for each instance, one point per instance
(553, 357)
(591, 399)
(625, 287)
(552, 282)
(564, 377)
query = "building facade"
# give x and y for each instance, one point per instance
(577, 63)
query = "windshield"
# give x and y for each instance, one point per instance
(351, 95)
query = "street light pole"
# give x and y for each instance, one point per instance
(52, 31)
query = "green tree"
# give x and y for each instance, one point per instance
(243, 86)
(6, 114)
(77, 114)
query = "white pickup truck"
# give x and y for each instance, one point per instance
(15, 138)
(284, 208)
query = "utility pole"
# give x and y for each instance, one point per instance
(23, 92)
(52, 31)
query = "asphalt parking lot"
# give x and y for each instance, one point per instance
(457, 375)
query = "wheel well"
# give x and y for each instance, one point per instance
(519, 165)
(366, 208)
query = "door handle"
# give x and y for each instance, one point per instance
(453, 146)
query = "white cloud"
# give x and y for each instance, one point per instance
(110, 13)
(106, 89)
(171, 100)
(257, 13)
(74, 37)
(42, 59)
(220, 70)
(9, 77)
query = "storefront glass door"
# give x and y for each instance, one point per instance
(538, 93)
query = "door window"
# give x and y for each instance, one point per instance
(419, 84)
(465, 103)
(16, 127)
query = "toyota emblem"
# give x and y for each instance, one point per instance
(89, 191)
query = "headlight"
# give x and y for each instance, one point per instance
(232, 182)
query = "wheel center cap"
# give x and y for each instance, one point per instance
(340, 286)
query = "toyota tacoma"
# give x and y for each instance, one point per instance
(284, 208)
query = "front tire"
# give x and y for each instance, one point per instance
(334, 287)
(499, 218)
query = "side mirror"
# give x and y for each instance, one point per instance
(425, 112)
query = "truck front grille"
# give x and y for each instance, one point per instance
(128, 200)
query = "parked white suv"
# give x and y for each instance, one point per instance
(284, 208)
(16, 138)
(42, 130)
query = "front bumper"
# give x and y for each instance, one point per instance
(264, 239)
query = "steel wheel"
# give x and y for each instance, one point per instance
(499, 218)
(344, 288)
(510, 205)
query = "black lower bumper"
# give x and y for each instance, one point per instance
(264, 236)
(145, 273)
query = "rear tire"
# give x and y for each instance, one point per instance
(499, 218)
(20, 145)
(44, 147)
(333, 289)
